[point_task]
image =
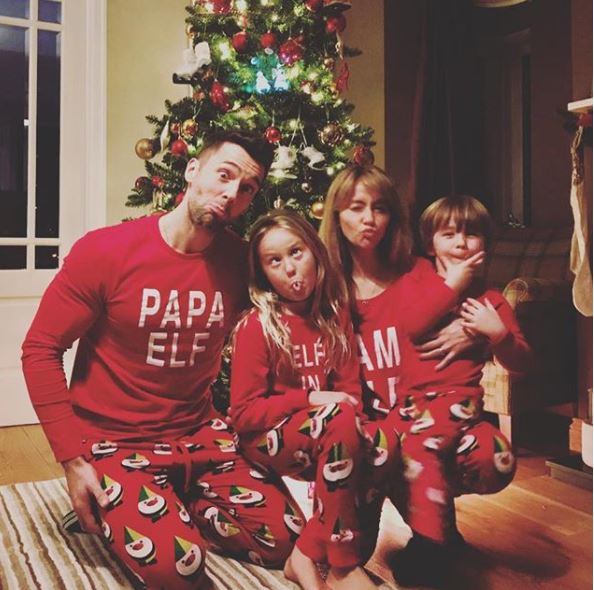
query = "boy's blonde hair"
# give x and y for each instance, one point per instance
(396, 246)
(329, 296)
(467, 213)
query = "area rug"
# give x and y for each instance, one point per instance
(36, 554)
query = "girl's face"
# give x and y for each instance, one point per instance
(365, 221)
(288, 264)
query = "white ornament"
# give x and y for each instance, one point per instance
(284, 159)
(193, 60)
(315, 157)
(165, 136)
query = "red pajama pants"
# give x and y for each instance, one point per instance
(167, 497)
(351, 465)
(447, 451)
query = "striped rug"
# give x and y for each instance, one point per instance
(36, 554)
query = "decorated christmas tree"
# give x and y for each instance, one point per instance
(275, 67)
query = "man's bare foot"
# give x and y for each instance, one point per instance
(349, 579)
(303, 571)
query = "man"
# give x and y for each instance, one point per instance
(145, 454)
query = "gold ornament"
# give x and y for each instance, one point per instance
(331, 134)
(278, 203)
(189, 128)
(145, 148)
(329, 63)
(317, 210)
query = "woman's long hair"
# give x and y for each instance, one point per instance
(396, 246)
(328, 299)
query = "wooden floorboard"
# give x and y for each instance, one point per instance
(534, 535)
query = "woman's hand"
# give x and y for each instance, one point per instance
(447, 343)
(320, 398)
(483, 319)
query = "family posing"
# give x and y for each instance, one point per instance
(357, 367)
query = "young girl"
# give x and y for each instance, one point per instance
(296, 397)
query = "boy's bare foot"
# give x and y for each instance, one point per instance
(349, 579)
(303, 571)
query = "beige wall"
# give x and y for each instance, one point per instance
(145, 40)
(365, 31)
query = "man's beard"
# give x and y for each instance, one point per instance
(203, 218)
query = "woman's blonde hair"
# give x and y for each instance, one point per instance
(396, 246)
(328, 299)
(465, 212)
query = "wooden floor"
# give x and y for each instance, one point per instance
(536, 534)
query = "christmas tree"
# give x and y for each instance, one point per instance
(275, 67)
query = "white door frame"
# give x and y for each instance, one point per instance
(83, 201)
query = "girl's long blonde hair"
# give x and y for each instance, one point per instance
(328, 299)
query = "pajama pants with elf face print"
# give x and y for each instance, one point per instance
(447, 450)
(170, 500)
(350, 462)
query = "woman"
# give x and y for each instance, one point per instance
(397, 299)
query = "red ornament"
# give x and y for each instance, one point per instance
(221, 6)
(335, 24)
(342, 82)
(314, 5)
(142, 183)
(179, 198)
(240, 41)
(290, 51)
(219, 96)
(363, 156)
(157, 182)
(179, 148)
(585, 120)
(272, 135)
(268, 40)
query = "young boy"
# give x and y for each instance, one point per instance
(439, 413)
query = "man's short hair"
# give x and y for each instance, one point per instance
(256, 146)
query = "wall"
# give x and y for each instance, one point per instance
(581, 61)
(365, 31)
(145, 40)
(142, 58)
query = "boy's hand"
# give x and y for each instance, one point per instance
(458, 275)
(320, 398)
(483, 319)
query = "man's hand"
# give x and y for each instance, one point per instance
(459, 275)
(483, 319)
(85, 492)
(446, 344)
(320, 398)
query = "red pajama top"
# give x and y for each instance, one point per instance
(415, 303)
(410, 306)
(152, 324)
(465, 371)
(261, 396)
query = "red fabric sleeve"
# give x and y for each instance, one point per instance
(258, 397)
(69, 306)
(513, 352)
(348, 378)
(423, 299)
